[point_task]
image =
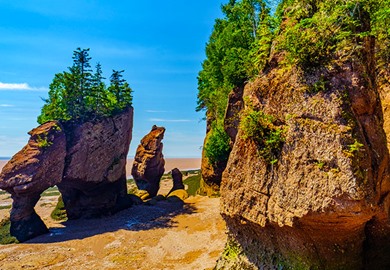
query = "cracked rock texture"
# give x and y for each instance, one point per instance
(325, 203)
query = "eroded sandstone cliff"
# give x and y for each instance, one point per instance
(85, 160)
(322, 200)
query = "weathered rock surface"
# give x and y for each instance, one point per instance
(177, 178)
(38, 166)
(325, 203)
(86, 161)
(148, 166)
(94, 180)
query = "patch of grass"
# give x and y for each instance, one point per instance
(2, 207)
(5, 236)
(193, 183)
(59, 212)
(49, 194)
(232, 250)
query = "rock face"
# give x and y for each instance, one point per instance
(94, 179)
(86, 161)
(323, 201)
(177, 178)
(148, 166)
(38, 166)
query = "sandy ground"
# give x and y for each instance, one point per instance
(170, 163)
(189, 235)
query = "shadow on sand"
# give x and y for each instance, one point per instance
(136, 218)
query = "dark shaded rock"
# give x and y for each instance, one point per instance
(232, 114)
(38, 166)
(94, 181)
(25, 223)
(148, 166)
(177, 178)
(178, 189)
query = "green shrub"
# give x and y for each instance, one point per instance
(43, 141)
(217, 146)
(5, 236)
(193, 183)
(260, 127)
(59, 212)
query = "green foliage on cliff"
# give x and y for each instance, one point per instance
(80, 94)
(237, 50)
(305, 34)
(260, 127)
(217, 147)
(316, 33)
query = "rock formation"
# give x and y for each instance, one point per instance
(86, 161)
(178, 188)
(94, 179)
(177, 179)
(38, 166)
(322, 200)
(148, 166)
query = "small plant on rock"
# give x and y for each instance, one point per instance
(260, 127)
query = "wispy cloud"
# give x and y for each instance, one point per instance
(6, 105)
(169, 120)
(155, 111)
(20, 86)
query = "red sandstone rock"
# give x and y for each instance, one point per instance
(85, 160)
(94, 180)
(325, 203)
(148, 166)
(38, 166)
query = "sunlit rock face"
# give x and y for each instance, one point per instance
(85, 160)
(148, 166)
(323, 201)
(38, 166)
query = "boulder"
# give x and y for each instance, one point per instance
(38, 166)
(148, 166)
(177, 179)
(178, 190)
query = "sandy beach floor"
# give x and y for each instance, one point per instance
(167, 235)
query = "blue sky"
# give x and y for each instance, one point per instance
(159, 44)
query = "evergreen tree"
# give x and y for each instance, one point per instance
(80, 95)
(98, 96)
(120, 89)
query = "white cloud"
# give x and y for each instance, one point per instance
(169, 120)
(6, 105)
(20, 86)
(154, 111)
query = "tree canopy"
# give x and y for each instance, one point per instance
(237, 49)
(81, 93)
